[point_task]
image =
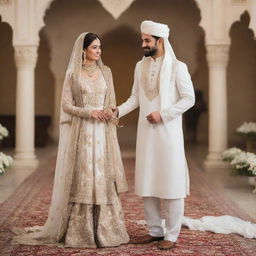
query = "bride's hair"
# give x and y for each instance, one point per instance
(88, 39)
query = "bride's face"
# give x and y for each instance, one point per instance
(93, 51)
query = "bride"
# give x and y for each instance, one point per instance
(85, 210)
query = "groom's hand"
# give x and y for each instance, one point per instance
(115, 111)
(154, 117)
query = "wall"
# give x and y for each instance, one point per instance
(241, 77)
(65, 20)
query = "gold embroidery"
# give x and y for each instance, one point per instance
(74, 158)
(150, 91)
(101, 161)
(93, 91)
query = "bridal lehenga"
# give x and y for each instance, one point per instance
(85, 210)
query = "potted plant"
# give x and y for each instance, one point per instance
(242, 163)
(248, 129)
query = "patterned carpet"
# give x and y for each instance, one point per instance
(28, 206)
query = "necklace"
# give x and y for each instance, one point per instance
(89, 68)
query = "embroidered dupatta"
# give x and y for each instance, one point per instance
(72, 113)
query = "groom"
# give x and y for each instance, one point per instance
(163, 90)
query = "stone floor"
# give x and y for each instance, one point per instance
(236, 188)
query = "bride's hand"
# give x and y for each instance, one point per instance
(98, 115)
(108, 114)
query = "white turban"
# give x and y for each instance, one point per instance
(169, 66)
(155, 29)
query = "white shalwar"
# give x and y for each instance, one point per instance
(174, 211)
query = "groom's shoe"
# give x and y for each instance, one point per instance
(147, 239)
(166, 245)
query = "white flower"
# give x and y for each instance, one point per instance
(252, 163)
(5, 161)
(240, 161)
(1, 171)
(231, 153)
(245, 161)
(247, 127)
(3, 132)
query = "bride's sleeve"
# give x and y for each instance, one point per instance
(68, 105)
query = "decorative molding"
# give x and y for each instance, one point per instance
(26, 56)
(217, 54)
(116, 7)
(5, 2)
(239, 2)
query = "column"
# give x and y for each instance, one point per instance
(217, 59)
(25, 57)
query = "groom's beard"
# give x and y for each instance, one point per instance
(150, 51)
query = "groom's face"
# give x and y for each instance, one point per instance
(149, 45)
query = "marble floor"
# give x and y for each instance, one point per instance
(236, 188)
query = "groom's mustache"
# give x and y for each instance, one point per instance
(146, 48)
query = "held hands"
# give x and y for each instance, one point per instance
(98, 115)
(115, 111)
(154, 117)
(104, 115)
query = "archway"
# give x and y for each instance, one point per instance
(241, 77)
(7, 82)
(65, 20)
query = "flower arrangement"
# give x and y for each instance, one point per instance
(248, 129)
(243, 163)
(3, 132)
(5, 160)
(230, 154)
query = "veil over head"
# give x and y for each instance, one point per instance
(74, 69)
(70, 125)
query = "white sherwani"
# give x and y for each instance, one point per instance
(161, 168)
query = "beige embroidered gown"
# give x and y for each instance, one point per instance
(96, 218)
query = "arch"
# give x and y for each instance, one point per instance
(6, 12)
(117, 43)
(7, 81)
(241, 77)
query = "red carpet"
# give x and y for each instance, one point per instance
(28, 206)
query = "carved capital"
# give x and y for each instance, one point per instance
(217, 54)
(26, 56)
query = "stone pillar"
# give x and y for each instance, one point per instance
(25, 57)
(217, 59)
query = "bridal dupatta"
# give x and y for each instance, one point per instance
(73, 110)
